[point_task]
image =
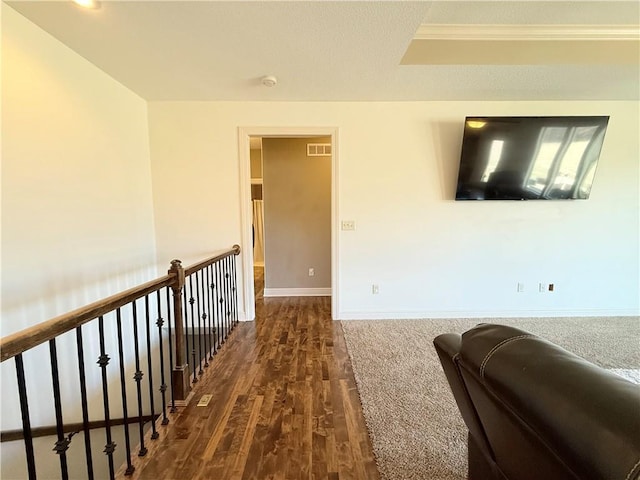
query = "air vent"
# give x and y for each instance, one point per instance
(318, 149)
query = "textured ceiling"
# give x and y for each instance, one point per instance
(324, 51)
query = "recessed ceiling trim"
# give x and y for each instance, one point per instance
(523, 52)
(527, 32)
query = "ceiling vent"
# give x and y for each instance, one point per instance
(318, 149)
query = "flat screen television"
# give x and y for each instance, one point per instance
(529, 158)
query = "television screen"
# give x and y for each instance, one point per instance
(529, 158)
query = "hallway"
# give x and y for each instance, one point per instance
(284, 405)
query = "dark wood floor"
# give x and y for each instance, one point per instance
(258, 283)
(284, 406)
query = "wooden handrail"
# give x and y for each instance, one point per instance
(14, 344)
(205, 263)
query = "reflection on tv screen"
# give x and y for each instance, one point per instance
(529, 158)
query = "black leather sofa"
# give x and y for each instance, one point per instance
(538, 412)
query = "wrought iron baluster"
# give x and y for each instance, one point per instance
(205, 316)
(231, 309)
(221, 303)
(62, 445)
(163, 385)
(83, 400)
(138, 378)
(103, 361)
(231, 314)
(211, 330)
(199, 364)
(203, 300)
(235, 289)
(123, 389)
(193, 330)
(227, 295)
(226, 299)
(216, 304)
(171, 365)
(154, 432)
(26, 422)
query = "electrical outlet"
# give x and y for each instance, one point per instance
(544, 287)
(348, 225)
(520, 287)
(312, 272)
(375, 289)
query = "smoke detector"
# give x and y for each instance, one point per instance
(269, 81)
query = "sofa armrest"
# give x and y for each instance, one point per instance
(448, 348)
(547, 409)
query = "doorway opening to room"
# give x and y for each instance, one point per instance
(289, 210)
(257, 220)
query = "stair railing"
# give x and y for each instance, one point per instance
(195, 310)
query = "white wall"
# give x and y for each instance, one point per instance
(77, 198)
(77, 215)
(431, 256)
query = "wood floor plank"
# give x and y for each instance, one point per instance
(249, 433)
(284, 405)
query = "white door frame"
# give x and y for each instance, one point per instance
(246, 213)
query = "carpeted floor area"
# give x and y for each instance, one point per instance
(415, 427)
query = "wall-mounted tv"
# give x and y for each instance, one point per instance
(529, 158)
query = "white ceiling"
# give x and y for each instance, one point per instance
(343, 50)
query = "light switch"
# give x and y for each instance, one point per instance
(348, 225)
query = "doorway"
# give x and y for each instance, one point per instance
(248, 183)
(257, 225)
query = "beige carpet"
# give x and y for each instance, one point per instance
(415, 427)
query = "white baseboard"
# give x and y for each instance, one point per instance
(412, 315)
(297, 292)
